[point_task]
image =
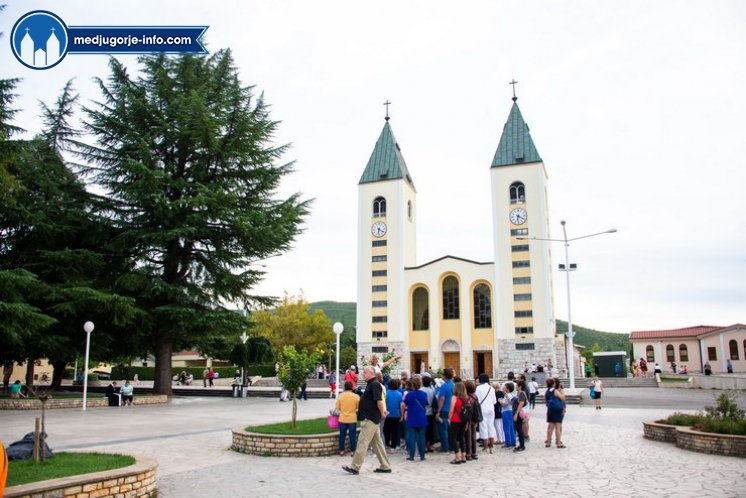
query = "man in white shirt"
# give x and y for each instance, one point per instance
(533, 389)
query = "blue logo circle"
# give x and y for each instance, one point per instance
(39, 40)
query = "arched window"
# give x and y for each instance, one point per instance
(379, 207)
(733, 349)
(683, 353)
(409, 210)
(517, 193)
(450, 299)
(482, 307)
(650, 354)
(420, 309)
(670, 355)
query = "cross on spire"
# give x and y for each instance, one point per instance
(52, 29)
(387, 104)
(514, 83)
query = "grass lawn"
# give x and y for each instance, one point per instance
(674, 379)
(313, 426)
(64, 465)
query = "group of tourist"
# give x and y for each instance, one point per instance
(446, 414)
(120, 395)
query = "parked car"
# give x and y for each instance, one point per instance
(102, 375)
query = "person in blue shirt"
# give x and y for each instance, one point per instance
(444, 406)
(393, 406)
(415, 414)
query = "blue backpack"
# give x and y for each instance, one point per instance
(553, 402)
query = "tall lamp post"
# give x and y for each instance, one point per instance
(567, 268)
(88, 327)
(244, 337)
(338, 329)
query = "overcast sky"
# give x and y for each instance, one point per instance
(637, 109)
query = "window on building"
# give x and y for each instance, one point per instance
(526, 346)
(733, 346)
(380, 319)
(521, 280)
(683, 353)
(519, 248)
(379, 273)
(712, 353)
(450, 299)
(379, 304)
(420, 309)
(378, 259)
(409, 210)
(519, 231)
(379, 243)
(523, 313)
(379, 288)
(524, 330)
(521, 297)
(650, 354)
(379, 207)
(670, 356)
(378, 334)
(482, 307)
(521, 264)
(517, 193)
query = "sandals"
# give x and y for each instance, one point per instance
(561, 445)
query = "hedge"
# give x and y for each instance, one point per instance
(148, 373)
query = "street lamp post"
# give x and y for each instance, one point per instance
(243, 338)
(338, 329)
(567, 268)
(88, 327)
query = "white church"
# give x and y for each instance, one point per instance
(41, 57)
(477, 317)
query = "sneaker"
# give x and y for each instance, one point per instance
(519, 449)
(380, 471)
(352, 471)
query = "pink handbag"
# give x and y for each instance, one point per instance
(332, 421)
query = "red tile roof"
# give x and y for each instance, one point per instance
(663, 334)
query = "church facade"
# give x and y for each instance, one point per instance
(477, 317)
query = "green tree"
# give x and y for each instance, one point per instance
(295, 367)
(292, 323)
(257, 349)
(184, 154)
(588, 353)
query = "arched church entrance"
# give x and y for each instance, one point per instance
(452, 356)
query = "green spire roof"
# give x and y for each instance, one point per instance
(516, 146)
(386, 162)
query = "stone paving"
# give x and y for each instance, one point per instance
(606, 454)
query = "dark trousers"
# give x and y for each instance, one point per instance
(416, 437)
(303, 394)
(457, 433)
(532, 400)
(519, 432)
(343, 430)
(391, 432)
(470, 436)
(430, 430)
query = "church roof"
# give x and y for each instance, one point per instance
(516, 146)
(386, 162)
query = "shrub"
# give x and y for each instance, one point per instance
(683, 419)
(148, 373)
(726, 408)
(723, 426)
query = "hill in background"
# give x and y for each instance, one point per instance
(346, 313)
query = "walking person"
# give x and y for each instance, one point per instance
(205, 374)
(332, 383)
(393, 407)
(519, 403)
(486, 398)
(370, 412)
(414, 407)
(506, 402)
(445, 395)
(211, 377)
(643, 367)
(457, 425)
(533, 390)
(348, 404)
(555, 399)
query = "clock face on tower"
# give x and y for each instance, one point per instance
(518, 216)
(378, 229)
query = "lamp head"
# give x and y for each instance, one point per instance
(88, 327)
(338, 328)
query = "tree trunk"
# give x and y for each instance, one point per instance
(7, 372)
(163, 353)
(295, 412)
(30, 374)
(58, 371)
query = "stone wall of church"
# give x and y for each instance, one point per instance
(510, 359)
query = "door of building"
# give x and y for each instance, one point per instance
(483, 362)
(452, 360)
(418, 359)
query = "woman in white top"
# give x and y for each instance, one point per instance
(598, 389)
(486, 399)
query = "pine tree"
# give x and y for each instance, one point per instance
(184, 154)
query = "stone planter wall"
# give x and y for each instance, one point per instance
(137, 480)
(689, 439)
(286, 445)
(35, 404)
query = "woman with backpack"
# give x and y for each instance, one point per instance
(473, 422)
(555, 400)
(457, 425)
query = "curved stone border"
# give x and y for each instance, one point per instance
(286, 445)
(137, 480)
(688, 438)
(35, 404)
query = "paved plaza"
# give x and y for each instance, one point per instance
(606, 455)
